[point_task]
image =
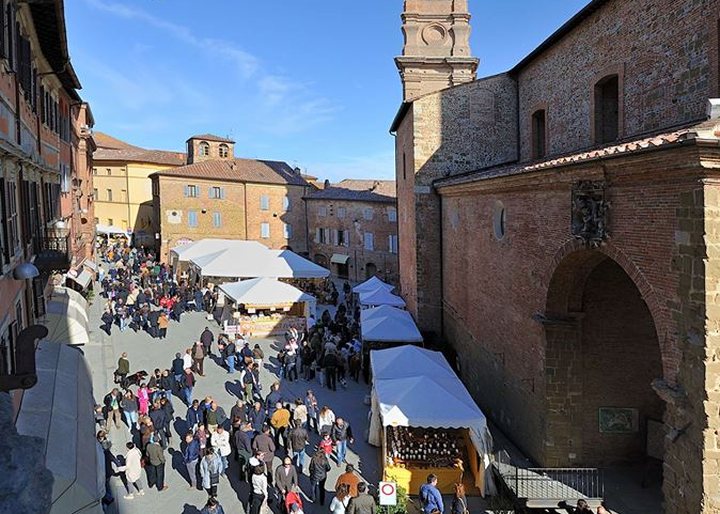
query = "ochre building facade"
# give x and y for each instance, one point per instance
(352, 229)
(559, 228)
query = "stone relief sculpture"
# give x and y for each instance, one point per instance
(589, 212)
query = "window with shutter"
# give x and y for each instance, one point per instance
(217, 220)
(264, 203)
(265, 230)
(336, 237)
(3, 25)
(369, 241)
(4, 221)
(317, 235)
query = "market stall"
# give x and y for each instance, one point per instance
(384, 327)
(370, 285)
(180, 257)
(426, 422)
(264, 307)
(380, 296)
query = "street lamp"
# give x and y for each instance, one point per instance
(18, 371)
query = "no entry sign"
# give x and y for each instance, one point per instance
(388, 493)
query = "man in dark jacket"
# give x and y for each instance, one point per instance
(263, 442)
(341, 434)
(191, 456)
(155, 466)
(298, 439)
(177, 368)
(157, 415)
(243, 448)
(273, 398)
(286, 477)
(123, 368)
(194, 417)
(107, 319)
(229, 354)
(112, 402)
(330, 363)
(257, 417)
(363, 503)
(207, 338)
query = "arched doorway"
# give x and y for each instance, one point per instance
(602, 354)
(370, 270)
(321, 260)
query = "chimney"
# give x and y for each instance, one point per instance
(233, 166)
(375, 185)
(713, 109)
(297, 170)
(326, 184)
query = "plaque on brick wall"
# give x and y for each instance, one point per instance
(617, 420)
(589, 212)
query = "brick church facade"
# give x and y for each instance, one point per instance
(559, 227)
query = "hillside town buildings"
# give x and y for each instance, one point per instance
(558, 227)
(122, 188)
(216, 195)
(352, 229)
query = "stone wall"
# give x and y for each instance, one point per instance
(664, 52)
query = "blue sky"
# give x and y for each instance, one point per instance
(310, 82)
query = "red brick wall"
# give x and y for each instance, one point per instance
(492, 289)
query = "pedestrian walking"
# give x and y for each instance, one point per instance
(341, 435)
(286, 478)
(130, 411)
(191, 457)
(207, 338)
(210, 469)
(349, 479)
(107, 318)
(243, 448)
(123, 369)
(220, 440)
(188, 383)
(194, 416)
(459, 503)
(311, 405)
(264, 443)
(112, 405)
(326, 419)
(280, 420)
(162, 322)
(198, 356)
(363, 503)
(212, 506)
(430, 497)
(340, 502)
(143, 399)
(155, 466)
(259, 490)
(297, 441)
(330, 364)
(319, 467)
(132, 471)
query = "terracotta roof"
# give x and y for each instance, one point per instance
(707, 130)
(239, 170)
(357, 190)
(103, 140)
(140, 155)
(211, 137)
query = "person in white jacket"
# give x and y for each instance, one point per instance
(220, 440)
(132, 470)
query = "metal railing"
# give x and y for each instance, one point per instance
(52, 252)
(559, 484)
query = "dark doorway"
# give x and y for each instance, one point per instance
(370, 270)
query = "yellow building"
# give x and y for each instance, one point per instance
(122, 189)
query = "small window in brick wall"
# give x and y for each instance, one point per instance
(538, 134)
(499, 220)
(607, 109)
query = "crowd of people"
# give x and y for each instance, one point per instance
(142, 295)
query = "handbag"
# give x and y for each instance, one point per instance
(214, 478)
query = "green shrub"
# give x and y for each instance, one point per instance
(400, 507)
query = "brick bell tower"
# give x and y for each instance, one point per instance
(436, 52)
(435, 56)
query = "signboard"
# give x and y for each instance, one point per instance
(618, 420)
(388, 493)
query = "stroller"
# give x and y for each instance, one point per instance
(293, 498)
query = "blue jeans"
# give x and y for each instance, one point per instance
(230, 361)
(341, 450)
(187, 392)
(299, 458)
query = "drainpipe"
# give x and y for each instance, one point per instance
(246, 209)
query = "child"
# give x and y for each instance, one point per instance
(326, 444)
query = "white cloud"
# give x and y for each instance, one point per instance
(284, 106)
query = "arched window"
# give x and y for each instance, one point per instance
(204, 148)
(224, 151)
(607, 112)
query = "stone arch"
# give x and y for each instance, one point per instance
(603, 350)
(574, 251)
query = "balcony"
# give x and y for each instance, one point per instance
(52, 253)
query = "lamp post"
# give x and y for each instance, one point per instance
(19, 370)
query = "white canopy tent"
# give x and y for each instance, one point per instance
(288, 264)
(380, 296)
(372, 284)
(187, 252)
(386, 323)
(411, 395)
(110, 230)
(266, 292)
